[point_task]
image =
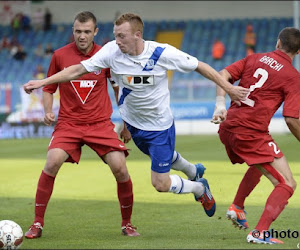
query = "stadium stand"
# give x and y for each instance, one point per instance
(198, 38)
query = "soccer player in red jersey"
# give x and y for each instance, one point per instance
(272, 81)
(84, 118)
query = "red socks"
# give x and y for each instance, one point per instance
(125, 196)
(45, 188)
(43, 194)
(276, 202)
(248, 183)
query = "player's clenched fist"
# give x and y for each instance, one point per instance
(49, 118)
(125, 134)
(238, 93)
(33, 84)
(219, 115)
(220, 112)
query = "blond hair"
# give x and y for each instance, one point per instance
(135, 22)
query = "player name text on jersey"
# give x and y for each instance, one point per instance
(271, 62)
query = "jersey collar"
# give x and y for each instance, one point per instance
(284, 55)
(81, 54)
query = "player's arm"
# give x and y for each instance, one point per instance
(220, 112)
(174, 59)
(236, 93)
(49, 117)
(124, 134)
(294, 126)
(70, 73)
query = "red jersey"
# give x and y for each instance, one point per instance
(85, 100)
(272, 80)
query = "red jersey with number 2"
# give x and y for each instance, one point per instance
(85, 100)
(272, 80)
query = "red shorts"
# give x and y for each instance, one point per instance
(252, 148)
(99, 136)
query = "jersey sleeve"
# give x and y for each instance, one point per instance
(236, 69)
(53, 69)
(100, 60)
(291, 106)
(177, 60)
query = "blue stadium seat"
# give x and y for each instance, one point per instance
(198, 38)
(179, 92)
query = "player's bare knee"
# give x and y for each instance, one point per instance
(290, 181)
(52, 167)
(121, 173)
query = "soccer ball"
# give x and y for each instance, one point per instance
(11, 235)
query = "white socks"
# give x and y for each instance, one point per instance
(182, 186)
(181, 164)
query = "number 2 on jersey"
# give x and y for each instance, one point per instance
(276, 150)
(264, 77)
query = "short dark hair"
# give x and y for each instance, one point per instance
(85, 16)
(290, 39)
(135, 21)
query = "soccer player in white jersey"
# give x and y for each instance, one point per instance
(140, 68)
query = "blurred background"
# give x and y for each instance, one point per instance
(216, 32)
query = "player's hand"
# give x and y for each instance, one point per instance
(219, 115)
(125, 134)
(238, 93)
(33, 84)
(49, 118)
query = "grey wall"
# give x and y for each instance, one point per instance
(64, 11)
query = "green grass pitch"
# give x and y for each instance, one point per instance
(83, 212)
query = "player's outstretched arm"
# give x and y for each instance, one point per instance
(71, 73)
(294, 126)
(236, 93)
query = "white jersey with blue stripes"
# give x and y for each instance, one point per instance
(144, 97)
